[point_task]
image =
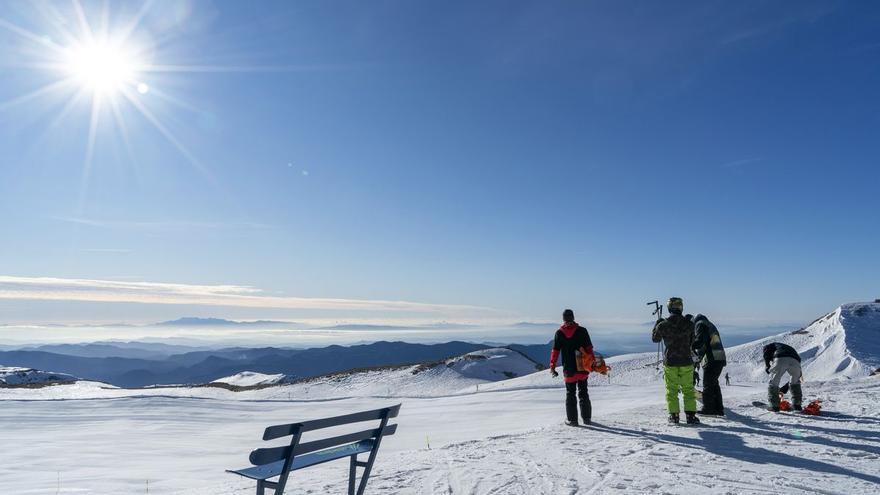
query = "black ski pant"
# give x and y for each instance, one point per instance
(583, 397)
(712, 403)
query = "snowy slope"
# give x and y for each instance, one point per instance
(464, 429)
(14, 376)
(252, 379)
(843, 344)
(481, 443)
(459, 375)
(451, 376)
(493, 364)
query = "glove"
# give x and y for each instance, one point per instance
(553, 372)
(767, 370)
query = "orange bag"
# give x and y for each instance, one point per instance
(584, 361)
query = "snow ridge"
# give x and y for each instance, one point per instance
(21, 377)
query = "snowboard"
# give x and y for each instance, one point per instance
(804, 412)
(763, 405)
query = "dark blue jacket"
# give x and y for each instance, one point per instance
(775, 350)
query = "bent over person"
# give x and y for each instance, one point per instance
(785, 360)
(573, 343)
(677, 334)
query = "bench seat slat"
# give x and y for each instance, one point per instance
(272, 454)
(271, 470)
(279, 431)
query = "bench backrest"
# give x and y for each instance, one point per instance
(269, 455)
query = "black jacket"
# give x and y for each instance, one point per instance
(775, 350)
(568, 348)
(707, 342)
(677, 334)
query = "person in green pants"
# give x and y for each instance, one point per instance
(677, 334)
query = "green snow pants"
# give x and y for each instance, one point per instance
(680, 378)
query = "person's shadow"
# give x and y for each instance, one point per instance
(766, 429)
(821, 426)
(732, 445)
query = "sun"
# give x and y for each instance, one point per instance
(102, 67)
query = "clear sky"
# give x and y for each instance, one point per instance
(462, 160)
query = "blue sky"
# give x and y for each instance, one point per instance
(494, 161)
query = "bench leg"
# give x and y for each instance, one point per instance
(261, 488)
(352, 473)
(368, 466)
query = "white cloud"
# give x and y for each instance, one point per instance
(116, 291)
(163, 225)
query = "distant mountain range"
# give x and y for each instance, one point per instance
(191, 321)
(135, 367)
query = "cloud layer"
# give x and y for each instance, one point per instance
(86, 290)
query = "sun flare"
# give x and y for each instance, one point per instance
(102, 67)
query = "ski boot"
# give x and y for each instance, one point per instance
(586, 421)
(773, 398)
(673, 418)
(691, 418)
(797, 396)
(569, 422)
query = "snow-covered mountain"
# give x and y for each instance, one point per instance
(15, 376)
(843, 344)
(493, 364)
(446, 377)
(252, 379)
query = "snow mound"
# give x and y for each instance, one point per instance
(843, 344)
(458, 375)
(493, 364)
(252, 379)
(14, 376)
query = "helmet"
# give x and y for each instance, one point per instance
(675, 304)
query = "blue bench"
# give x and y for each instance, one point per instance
(272, 462)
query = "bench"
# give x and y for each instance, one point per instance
(271, 462)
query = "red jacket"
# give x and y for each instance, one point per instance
(567, 331)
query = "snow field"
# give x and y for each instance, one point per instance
(463, 429)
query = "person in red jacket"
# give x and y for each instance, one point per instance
(572, 342)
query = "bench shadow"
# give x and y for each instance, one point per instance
(726, 444)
